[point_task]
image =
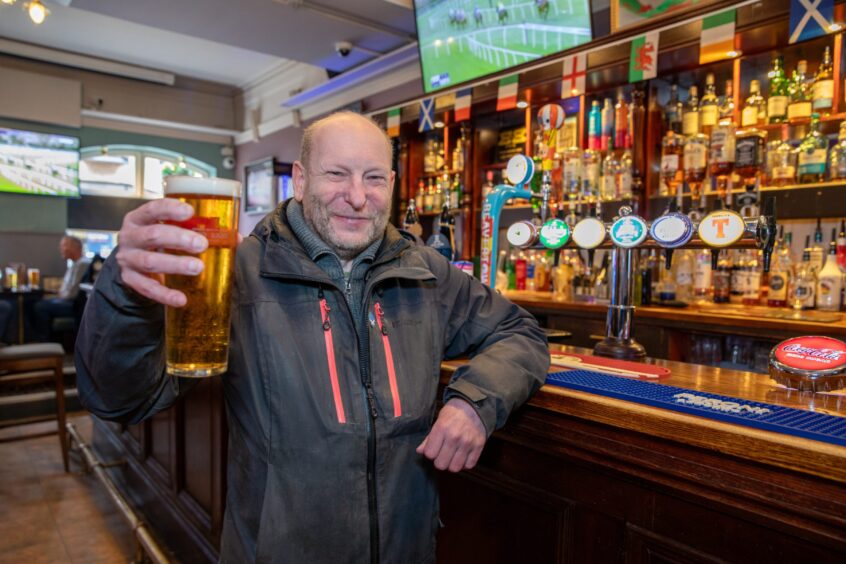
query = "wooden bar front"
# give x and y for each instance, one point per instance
(573, 477)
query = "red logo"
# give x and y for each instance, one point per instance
(812, 353)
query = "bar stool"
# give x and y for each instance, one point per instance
(18, 360)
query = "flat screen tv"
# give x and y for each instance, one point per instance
(462, 40)
(40, 164)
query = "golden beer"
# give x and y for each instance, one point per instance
(197, 335)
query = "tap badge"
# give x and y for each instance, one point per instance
(811, 354)
(721, 228)
(589, 233)
(520, 169)
(672, 230)
(554, 234)
(628, 231)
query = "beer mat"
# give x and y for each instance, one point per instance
(769, 417)
(624, 368)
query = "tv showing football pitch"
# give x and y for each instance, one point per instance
(39, 163)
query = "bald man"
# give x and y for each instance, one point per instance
(62, 305)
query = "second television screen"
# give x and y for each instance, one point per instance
(461, 40)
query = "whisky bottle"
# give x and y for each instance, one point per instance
(837, 156)
(673, 111)
(822, 91)
(779, 93)
(752, 286)
(672, 153)
(830, 279)
(800, 99)
(722, 279)
(695, 162)
(722, 144)
(709, 106)
(782, 161)
(690, 117)
(813, 153)
(755, 110)
(749, 154)
(781, 273)
(816, 250)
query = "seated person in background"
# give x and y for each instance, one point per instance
(6, 311)
(62, 306)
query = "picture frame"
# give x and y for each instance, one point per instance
(260, 186)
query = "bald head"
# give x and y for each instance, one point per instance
(336, 123)
(70, 248)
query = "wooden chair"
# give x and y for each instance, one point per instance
(26, 364)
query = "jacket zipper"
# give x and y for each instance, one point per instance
(389, 359)
(330, 356)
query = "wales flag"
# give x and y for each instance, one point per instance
(643, 61)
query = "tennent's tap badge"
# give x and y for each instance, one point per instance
(721, 228)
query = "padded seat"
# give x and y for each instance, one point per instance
(18, 360)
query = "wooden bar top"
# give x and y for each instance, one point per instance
(766, 447)
(832, 324)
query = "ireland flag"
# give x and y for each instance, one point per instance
(717, 39)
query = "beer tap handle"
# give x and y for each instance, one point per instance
(591, 254)
(715, 258)
(668, 258)
(766, 231)
(546, 185)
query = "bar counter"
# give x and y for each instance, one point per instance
(573, 477)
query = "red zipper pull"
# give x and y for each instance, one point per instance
(324, 312)
(377, 307)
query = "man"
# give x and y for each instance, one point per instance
(62, 306)
(339, 325)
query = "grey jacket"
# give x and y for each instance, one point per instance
(322, 463)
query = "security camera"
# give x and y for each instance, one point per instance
(343, 48)
(229, 163)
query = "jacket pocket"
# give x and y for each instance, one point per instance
(389, 360)
(330, 359)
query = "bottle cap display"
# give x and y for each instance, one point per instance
(520, 169)
(629, 231)
(522, 234)
(721, 228)
(811, 363)
(672, 230)
(589, 233)
(554, 234)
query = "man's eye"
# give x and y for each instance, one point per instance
(376, 179)
(335, 173)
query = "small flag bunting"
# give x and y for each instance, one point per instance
(463, 100)
(394, 122)
(643, 62)
(506, 97)
(573, 73)
(810, 18)
(427, 115)
(717, 39)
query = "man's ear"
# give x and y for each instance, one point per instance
(298, 179)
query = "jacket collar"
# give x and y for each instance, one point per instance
(284, 255)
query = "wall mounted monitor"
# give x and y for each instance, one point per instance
(462, 40)
(40, 164)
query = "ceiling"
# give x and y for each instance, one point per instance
(229, 41)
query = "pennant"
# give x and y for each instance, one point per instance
(463, 99)
(427, 115)
(506, 97)
(394, 122)
(643, 61)
(717, 39)
(445, 101)
(810, 18)
(573, 73)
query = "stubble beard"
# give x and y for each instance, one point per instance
(318, 217)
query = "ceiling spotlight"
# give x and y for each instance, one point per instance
(835, 27)
(732, 53)
(574, 92)
(8, 2)
(37, 12)
(439, 124)
(522, 104)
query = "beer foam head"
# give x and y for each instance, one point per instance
(220, 187)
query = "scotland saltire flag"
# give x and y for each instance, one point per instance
(427, 115)
(810, 18)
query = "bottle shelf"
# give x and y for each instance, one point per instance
(450, 172)
(800, 121)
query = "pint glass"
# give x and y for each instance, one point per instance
(34, 278)
(197, 335)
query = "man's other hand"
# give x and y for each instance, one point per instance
(456, 439)
(141, 239)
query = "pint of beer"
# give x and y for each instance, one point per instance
(34, 278)
(197, 334)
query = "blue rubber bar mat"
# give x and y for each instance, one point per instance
(780, 419)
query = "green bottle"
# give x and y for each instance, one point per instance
(778, 100)
(812, 153)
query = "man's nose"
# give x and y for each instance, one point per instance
(356, 192)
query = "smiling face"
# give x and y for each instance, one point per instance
(345, 183)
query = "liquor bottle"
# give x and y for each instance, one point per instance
(817, 250)
(607, 119)
(837, 156)
(690, 117)
(800, 99)
(803, 289)
(430, 159)
(781, 273)
(812, 153)
(621, 121)
(841, 245)
(625, 173)
(594, 126)
(737, 282)
(702, 276)
(429, 197)
(455, 193)
(572, 170)
(721, 153)
(752, 285)
(608, 181)
(683, 266)
(830, 279)
(637, 130)
(411, 222)
(672, 153)
(673, 111)
(749, 154)
(438, 200)
(458, 153)
(722, 279)
(421, 194)
(782, 161)
(695, 162)
(755, 110)
(822, 91)
(727, 102)
(709, 106)
(779, 93)
(591, 164)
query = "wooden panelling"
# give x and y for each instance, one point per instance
(198, 456)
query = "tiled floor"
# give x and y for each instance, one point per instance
(49, 516)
